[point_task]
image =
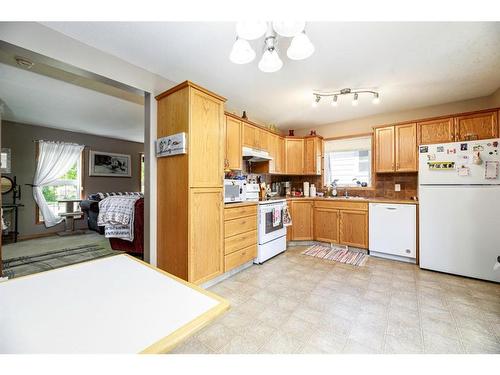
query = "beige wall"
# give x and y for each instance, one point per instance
(365, 124)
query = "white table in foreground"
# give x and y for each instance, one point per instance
(110, 305)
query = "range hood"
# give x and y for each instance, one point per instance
(253, 155)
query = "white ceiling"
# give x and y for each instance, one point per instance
(411, 64)
(39, 100)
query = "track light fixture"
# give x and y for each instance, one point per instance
(347, 91)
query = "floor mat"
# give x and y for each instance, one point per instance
(337, 253)
(26, 265)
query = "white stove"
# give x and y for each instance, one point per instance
(271, 231)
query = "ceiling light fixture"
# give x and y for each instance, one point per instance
(242, 52)
(251, 30)
(355, 100)
(289, 29)
(300, 47)
(347, 91)
(316, 101)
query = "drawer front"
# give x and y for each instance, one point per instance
(241, 225)
(240, 241)
(239, 257)
(236, 212)
(334, 204)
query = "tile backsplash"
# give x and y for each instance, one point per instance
(384, 185)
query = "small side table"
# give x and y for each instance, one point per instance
(69, 224)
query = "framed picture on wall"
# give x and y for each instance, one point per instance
(108, 164)
(5, 160)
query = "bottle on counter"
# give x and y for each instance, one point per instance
(312, 190)
(306, 188)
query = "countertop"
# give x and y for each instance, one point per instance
(358, 199)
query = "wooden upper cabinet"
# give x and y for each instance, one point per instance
(483, 125)
(294, 155)
(326, 224)
(249, 135)
(263, 139)
(233, 143)
(312, 155)
(436, 131)
(309, 156)
(206, 162)
(384, 149)
(354, 228)
(406, 148)
(302, 219)
(273, 149)
(280, 156)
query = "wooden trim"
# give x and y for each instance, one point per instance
(438, 117)
(259, 126)
(169, 342)
(185, 84)
(359, 135)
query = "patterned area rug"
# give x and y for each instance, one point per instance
(26, 265)
(337, 253)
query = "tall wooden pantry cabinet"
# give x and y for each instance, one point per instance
(190, 186)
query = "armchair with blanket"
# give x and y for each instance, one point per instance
(90, 207)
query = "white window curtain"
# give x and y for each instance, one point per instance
(55, 159)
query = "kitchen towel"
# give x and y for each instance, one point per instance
(276, 216)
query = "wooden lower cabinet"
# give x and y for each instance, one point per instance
(240, 235)
(302, 220)
(326, 224)
(354, 228)
(339, 222)
(206, 241)
(240, 257)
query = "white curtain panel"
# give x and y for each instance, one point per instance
(54, 160)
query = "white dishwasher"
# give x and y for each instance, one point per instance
(393, 231)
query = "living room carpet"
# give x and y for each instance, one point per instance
(26, 265)
(337, 253)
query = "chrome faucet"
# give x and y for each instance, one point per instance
(346, 193)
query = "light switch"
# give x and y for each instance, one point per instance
(397, 187)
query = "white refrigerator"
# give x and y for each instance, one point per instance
(459, 215)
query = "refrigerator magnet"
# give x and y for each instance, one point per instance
(463, 171)
(491, 170)
(424, 149)
(431, 157)
(440, 149)
(463, 147)
(477, 148)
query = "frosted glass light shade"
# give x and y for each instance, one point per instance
(251, 30)
(289, 28)
(242, 52)
(300, 47)
(270, 61)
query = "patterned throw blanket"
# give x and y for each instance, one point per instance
(116, 214)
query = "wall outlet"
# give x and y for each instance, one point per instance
(397, 187)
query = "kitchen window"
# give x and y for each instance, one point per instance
(348, 161)
(68, 186)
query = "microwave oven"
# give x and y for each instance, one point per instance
(234, 190)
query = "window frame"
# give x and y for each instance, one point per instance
(373, 175)
(80, 176)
